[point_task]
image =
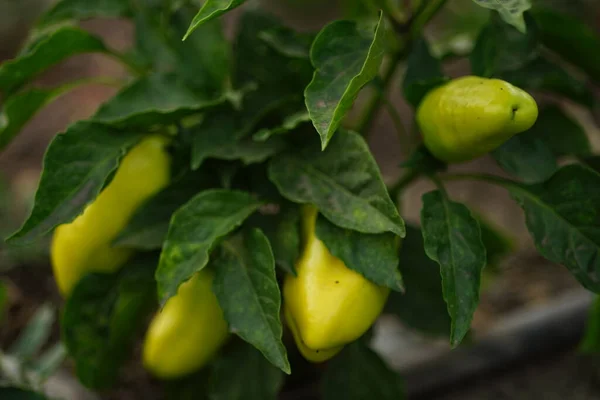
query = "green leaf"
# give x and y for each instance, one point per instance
(220, 136)
(19, 108)
(154, 99)
(423, 73)
(563, 216)
(571, 38)
(544, 75)
(102, 317)
(590, 343)
(242, 373)
(66, 10)
(527, 157)
(247, 290)
(373, 256)
(194, 230)
(211, 9)
(511, 11)
(50, 50)
(500, 48)
(288, 42)
(283, 232)
(14, 393)
(423, 289)
(288, 124)
(343, 181)
(35, 335)
(531, 155)
(562, 134)
(76, 166)
(203, 61)
(358, 373)
(452, 238)
(346, 55)
(281, 79)
(148, 227)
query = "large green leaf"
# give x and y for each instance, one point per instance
(346, 55)
(343, 181)
(221, 136)
(563, 217)
(423, 289)
(242, 373)
(452, 238)
(203, 61)
(48, 51)
(19, 108)
(561, 133)
(65, 10)
(358, 373)
(193, 232)
(423, 73)
(547, 76)
(154, 99)
(148, 227)
(279, 79)
(76, 166)
(248, 293)
(500, 48)
(288, 42)
(102, 317)
(211, 9)
(527, 157)
(288, 124)
(375, 256)
(283, 231)
(571, 38)
(511, 11)
(531, 155)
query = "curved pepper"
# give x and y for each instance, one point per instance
(84, 245)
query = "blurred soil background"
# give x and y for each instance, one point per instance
(523, 280)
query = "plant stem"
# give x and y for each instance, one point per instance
(375, 101)
(403, 136)
(408, 178)
(491, 179)
(406, 32)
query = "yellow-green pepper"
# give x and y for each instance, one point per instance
(84, 245)
(470, 116)
(188, 332)
(327, 305)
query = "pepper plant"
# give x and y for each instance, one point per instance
(267, 123)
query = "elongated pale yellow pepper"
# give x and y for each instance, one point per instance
(84, 245)
(471, 116)
(327, 305)
(188, 332)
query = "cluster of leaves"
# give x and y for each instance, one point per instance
(258, 130)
